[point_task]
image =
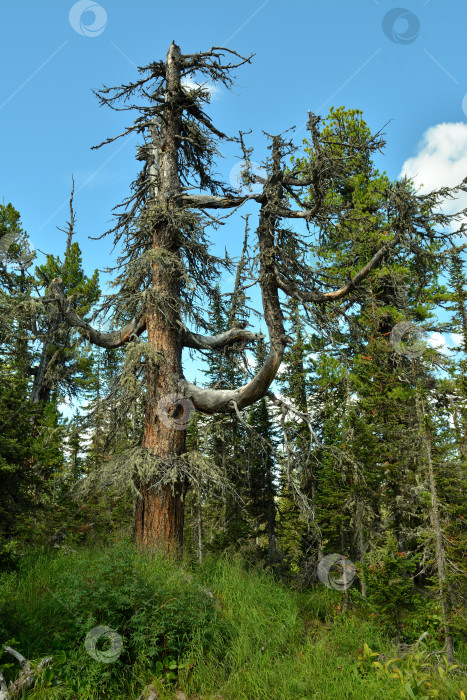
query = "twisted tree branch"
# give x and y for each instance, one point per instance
(105, 340)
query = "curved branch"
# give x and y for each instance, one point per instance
(221, 340)
(23, 662)
(105, 340)
(288, 289)
(224, 400)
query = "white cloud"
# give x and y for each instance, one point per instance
(438, 342)
(445, 344)
(251, 362)
(441, 160)
(212, 89)
(457, 339)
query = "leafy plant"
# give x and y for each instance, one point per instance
(414, 671)
(167, 669)
(365, 660)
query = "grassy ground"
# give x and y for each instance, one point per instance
(215, 631)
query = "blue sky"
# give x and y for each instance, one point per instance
(405, 64)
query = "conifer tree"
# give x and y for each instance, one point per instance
(30, 435)
(458, 309)
(262, 475)
(165, 270)
(295, 465)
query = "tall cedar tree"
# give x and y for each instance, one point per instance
(165, 269)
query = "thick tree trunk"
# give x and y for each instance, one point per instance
(160, 511)
(159, 518)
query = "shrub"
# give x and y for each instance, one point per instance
(157, 610)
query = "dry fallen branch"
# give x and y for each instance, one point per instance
(26, 678)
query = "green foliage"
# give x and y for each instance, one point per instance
(218, 629)
(42, 362)
(157, 610)
(391, 594)
(365, 485)
(30, 457)
(415, 671)
(15, 250)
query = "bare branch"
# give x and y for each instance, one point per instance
(115, 339)
(288, 408)
(206, 201)
(70, 230)
(238, 277)
(221, 340)
(24, 663)
(222, 400)
(25, 680)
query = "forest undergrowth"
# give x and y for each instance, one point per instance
(216, 630)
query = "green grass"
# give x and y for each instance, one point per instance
(254, 639)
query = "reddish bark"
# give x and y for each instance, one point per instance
(159, 519)
(159, 511)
